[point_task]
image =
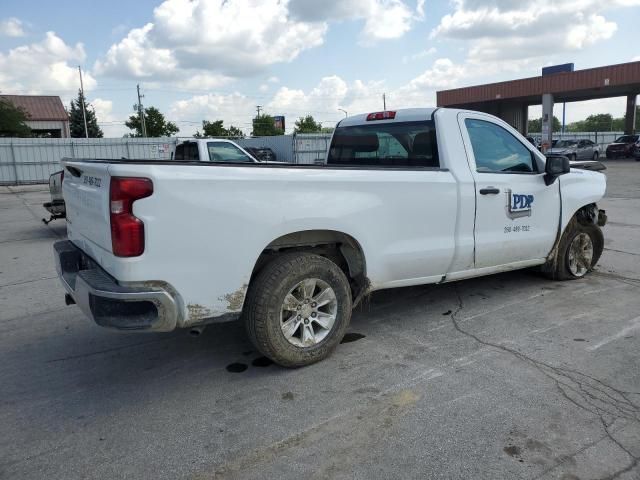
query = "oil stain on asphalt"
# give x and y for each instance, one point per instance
(352, 337)
(237, 367)
(262, 362)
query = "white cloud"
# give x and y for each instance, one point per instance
(384, 19)
(419, 55)
(421, 90)
(510, 29)
(420, 9)
(49, 66)
(111, 126)
(235, 109)
(590, 31)
(11, 27)
(227, 37)
(322, 101)
(273, 80)
(203, 81)
(636, 59)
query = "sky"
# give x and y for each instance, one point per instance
(212, 60)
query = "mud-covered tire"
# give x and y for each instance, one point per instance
(560, 267)
(265, 300)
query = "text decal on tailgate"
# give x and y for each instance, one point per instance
(93, 181)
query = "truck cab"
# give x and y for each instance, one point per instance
(211, 150)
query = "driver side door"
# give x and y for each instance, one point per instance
(516, 212)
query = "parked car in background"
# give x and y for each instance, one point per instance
(623, 146)
(533, 141)
(262, 154)
(593, 165)
(580, 149)
(636, 151)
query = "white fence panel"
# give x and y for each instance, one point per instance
(311, 148)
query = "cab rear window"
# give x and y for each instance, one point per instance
(399, 145)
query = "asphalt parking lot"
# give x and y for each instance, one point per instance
(504, 377)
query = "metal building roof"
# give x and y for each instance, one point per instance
(39, 107)
(600, 82)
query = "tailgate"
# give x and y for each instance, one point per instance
(86, 194)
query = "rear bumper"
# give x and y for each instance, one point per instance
(109, 304)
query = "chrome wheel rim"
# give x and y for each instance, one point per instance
(308, 312)
(580, 255)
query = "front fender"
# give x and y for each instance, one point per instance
(580, 188)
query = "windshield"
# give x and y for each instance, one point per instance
(227, 152)
(627, 139)
(565, 144)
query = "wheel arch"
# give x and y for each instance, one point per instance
(342, 248)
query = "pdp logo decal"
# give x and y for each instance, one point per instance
(518, 205)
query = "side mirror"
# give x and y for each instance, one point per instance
(555, 167)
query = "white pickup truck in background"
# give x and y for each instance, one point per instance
(409, 197)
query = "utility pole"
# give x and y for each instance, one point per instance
(384, 101)
(258, 108)
(346, 114)
(84, 113)
(143, 126)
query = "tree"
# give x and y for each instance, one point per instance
(307, 125)
(12, 120)
(155, 123)
(76, 119)
(235, 132)
(216, 129)
(535, 125)
(264, 126)
(327, 130)
(601, 122)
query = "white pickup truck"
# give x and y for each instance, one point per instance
(408, 197)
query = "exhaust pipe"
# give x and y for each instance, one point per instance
(197, 331)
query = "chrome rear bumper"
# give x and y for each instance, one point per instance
(106, 302)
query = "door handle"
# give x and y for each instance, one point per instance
(489, 191)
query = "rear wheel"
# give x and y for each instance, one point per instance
(595, 156)
(572, 157)
(298, 309)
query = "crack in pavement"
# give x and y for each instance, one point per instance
(620, 278)
(622, 251)
(583, 391)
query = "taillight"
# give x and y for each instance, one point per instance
(127, 231)
(381, 116)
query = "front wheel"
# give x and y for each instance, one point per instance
(298, 309)
(595, 156)
(579, 250)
